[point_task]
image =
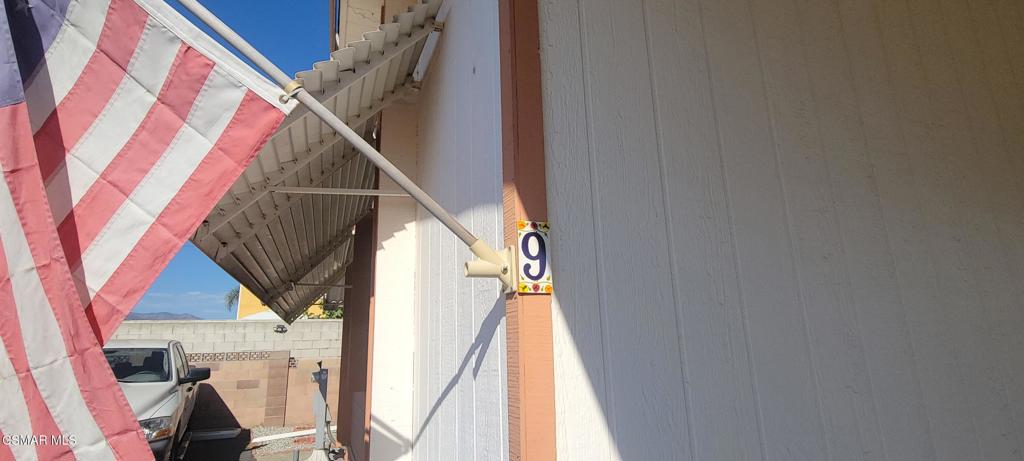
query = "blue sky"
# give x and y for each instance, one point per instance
(293, 35)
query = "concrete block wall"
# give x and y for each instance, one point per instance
(253, 390)
(304, 338)
(258, 377)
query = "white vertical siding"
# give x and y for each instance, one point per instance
(787, 229)
(460, 357)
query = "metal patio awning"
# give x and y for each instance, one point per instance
(289, 248)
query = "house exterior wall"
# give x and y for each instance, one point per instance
(786, 230)
(358, 17)
(249, 307)
(460, 372)
(391, 409)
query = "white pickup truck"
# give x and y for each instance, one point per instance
(161, 388)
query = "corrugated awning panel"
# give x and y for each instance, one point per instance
(288, 249)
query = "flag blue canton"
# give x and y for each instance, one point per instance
(28, 27)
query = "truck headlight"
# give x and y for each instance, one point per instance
(156, 428)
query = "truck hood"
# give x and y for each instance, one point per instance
(150, 400)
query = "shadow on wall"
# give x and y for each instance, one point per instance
(479, 348)
(211, 412)
(388, 444)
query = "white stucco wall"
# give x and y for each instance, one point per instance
(460, 357)
(787, 229)
(391, 418)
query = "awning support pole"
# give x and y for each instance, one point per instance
(337, 191)
(318, 285)
(492, 264)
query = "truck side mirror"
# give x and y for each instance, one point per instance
(195, 375)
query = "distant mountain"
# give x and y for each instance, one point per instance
(160, 316)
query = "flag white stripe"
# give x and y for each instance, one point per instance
(14, 419)
(65, 58)
(147, 71)
(216, 105)
(44, 344)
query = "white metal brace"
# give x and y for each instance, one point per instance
(337, 191)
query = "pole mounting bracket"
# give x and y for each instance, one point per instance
(290, 90)
(493, 264)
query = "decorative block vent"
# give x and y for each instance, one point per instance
(197, 357)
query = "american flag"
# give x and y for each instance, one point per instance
(121, 125)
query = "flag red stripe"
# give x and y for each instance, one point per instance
(95, 379)
(188, 73)
(251, 125)
(5, 451)
(103, 73)
(10, 330)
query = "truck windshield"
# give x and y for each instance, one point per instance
(139, 365)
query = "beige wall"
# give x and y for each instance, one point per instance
(262, 378)
(301, 388)
(263, 392)
(391, 408)
(787, 229)
(357, 18)
(361, 16)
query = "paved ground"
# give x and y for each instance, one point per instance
(230, 450)
(240, 449)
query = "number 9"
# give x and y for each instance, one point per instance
(541, 256)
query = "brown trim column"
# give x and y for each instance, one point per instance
(357, 343)
(531, 390)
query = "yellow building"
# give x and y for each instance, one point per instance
(251, 308)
